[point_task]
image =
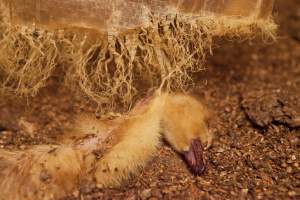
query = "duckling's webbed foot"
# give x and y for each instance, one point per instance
(195, 158)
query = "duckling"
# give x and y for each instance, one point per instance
(179, 119)
(127, 143)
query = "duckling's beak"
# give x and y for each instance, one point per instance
(194, 157)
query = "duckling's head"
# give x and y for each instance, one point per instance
(185, 128)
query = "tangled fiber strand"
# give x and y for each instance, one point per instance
(113, 69)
